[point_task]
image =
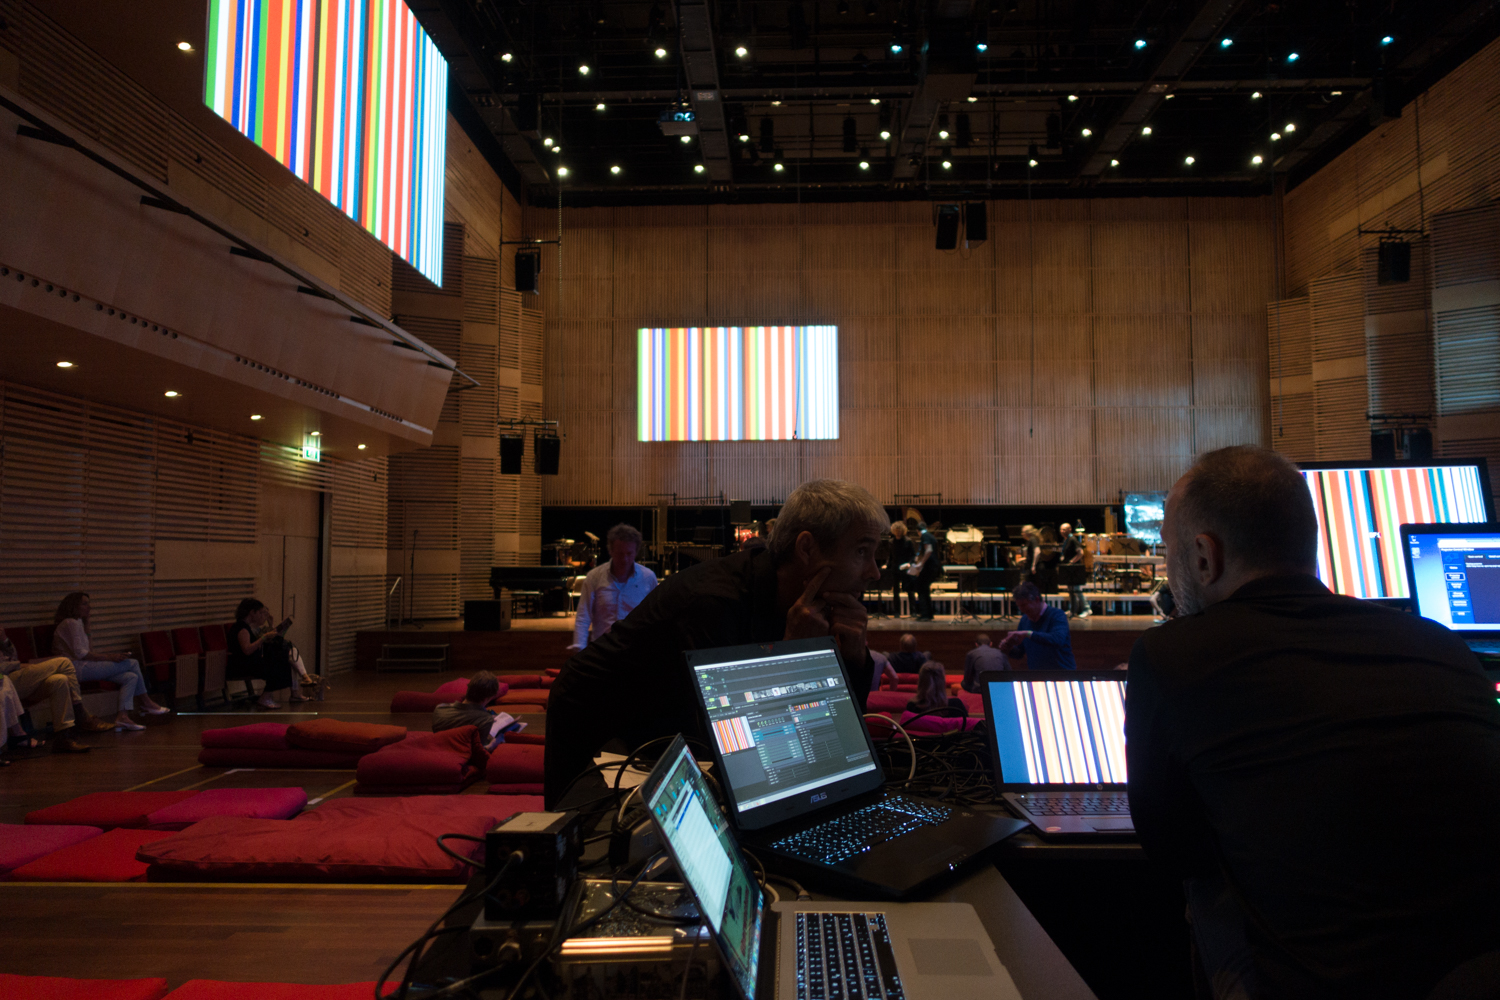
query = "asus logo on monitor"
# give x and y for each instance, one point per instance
(819, 797)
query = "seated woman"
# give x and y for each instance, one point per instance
(932, 693)
(71, 639)
(257, 651)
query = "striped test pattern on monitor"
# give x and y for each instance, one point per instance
(1360, 513)
(352, 97)
(1072, 732)
(731, 383)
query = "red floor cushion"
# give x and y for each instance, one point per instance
(553, 671)
(107, 810)
(255, 803)
(887, 701)
(429, 763)
(212, 989)
(57, 988)
(342, 840)
(515, 769)
(256, 736)
(109, 857)
(534, 739)
(935, 725)
(264, 744)
(426, 701)
(343, 737)
(524, 696)
(21, 844)
(973, 702)
(528, 680)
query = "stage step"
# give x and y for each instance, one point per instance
(428, 656)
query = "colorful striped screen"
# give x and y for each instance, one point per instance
(731, 383)
(1360, 513)
(352, 97)
(1060, 732)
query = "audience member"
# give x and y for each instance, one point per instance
(71, 639)
(630, 683)
(907, 660)
(1041, 640)
(883, 671)
(56, 678)
(612, 590)
(932, 693)
(982, 658)
(257, 652)
(11, 710)
(1267, 730)
(471, 709)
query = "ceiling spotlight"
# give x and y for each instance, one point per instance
(1189, 161)
(316, 434)
(1257, 159)
(864, 164)
(947, 164)
(65, 364)
(255, 416)
(778, 168)
(874, 100)
(1384, 41)
(685, 139)
(1292, 57)
(885, 134)
(1255, 96)
(562, 171)
(583, 69)
(942, 133)
(1224, 43)
(1146, 130)
(547, 142)
(1140, 43)
(362, 447)
(1114, 163)
(171, 394)
(697, 168)
(1087, 132)
(1072, 97)
(775, 104)
(1290, 127)
(506, 57)
(615, 169)
(1032, 163)
(741, 51)
(188, 46)
(973, 99)
(896, 48)
(661, 53)
(744, 137)
(982, 47)
(599, 106)
(1275, 136)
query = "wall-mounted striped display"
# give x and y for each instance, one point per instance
(730, 383)
(352, 97)
(1360, 513)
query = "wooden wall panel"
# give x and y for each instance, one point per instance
(1398, 335)
(949, 379)
(1339, 368)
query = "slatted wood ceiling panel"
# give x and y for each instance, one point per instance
(1398, 335)
(949, 380)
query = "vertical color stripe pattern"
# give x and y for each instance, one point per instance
(349, 95)
(1071, 732)
(730, 383)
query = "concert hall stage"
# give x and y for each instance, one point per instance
(531, 645)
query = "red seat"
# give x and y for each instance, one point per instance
(214, 638)
(157, 655)
(215, 660)
(20, 637)
(189, 661)
(58, 988)
(43, 635)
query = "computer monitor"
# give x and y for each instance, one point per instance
(1361, 507)
(1454, 572)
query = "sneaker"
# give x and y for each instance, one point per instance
(65, 743)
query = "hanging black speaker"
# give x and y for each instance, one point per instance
(1383, 446)
(947, 227)
(1419, 445)
(548, 450)
(529, 271)
(976, 222)
(527, 115)
(512, 447)
(1393, 265)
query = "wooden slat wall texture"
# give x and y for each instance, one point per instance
(87, 492)
(1087, 347)
(1339, 375)
(1289, 334)
(1398, 334)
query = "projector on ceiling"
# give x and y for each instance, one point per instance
(678, 121)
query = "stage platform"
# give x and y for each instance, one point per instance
(531, 645)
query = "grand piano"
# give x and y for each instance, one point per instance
(550, 582)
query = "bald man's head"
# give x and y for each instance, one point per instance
(908, 643)
(1255, 502)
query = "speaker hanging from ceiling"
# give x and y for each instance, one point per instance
(1393, 262)
(976, 222)
(529, 271)
(548, 448)
(512, 447)
(947, 227)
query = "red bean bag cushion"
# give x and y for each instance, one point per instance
(109, 857)
(426, 701)
(343, 737)
(528, 680)
(256, 736)
(285, 759)
(954, 680)
(429, 763)
(212, 989)
(57, 988)
(532, 739)
(553, 671)
(20, 844)
(107, 810)
(343, 840)
(935, 725)
(907, 678)
(515, 769)
(256, 803)
(524, 696)
(887, 701)
(974, 703)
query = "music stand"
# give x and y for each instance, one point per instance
(997, 581)
(966, 616)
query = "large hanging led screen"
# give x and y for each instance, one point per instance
(732, 383)
(1360, 512)
(352, 97)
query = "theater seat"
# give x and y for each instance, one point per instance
(107, 810)
(212, 989)
(58, 988)
(109, 857)
(21, 844)
(254, 803)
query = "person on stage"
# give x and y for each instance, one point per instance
(612, 590)
(1072, 555)
(924, 569)
(1041, 640)
(631, 683)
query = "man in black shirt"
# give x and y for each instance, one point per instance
(632, 683)
(1321, 771)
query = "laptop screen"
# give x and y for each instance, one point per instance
(703, 847)
(785, 727)
(1058, 730)
(1455, 575)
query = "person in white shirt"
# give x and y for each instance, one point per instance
(612, 591)
(71, 639)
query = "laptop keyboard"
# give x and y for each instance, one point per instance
(845, 956)
(1078, 804)
(843, 837)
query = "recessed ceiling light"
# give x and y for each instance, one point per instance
(583, 69)
(947, 164)
(741, 51)
(1146, 130)
(885, 134)
(255, 416)
(1190, 161)
(562, 171)
(697, 168)
(778, 168)
(1087, 132)
(506, 57)
(661, 53)
(1114, 163)
(1032, 163)
(65, 364)
(185, 46)
(1257, 159)
(599, 106)
(362, 447)
(1290, 127)
(171, 394)
(615, 169)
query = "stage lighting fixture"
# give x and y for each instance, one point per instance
(1292, 57)
(1146, 130)
(547, 448)
(775, 104)
(1189, 161)
(1033, 163)
(547, 142)
(686, 139)
(599, 106)
(583, 69)
(512, 447)
(965, 134)
(661, 53)
(697, 168)
(942, 133)
(615, 169)
(972, 99)
(1224, 43)
(885, 135)
(65, 364)
(1255, 96)
(1387, 40)
(851, 134)
(1087, 132)
(874, 100)
(1290, 127)
(557, 149)
(864, 159)
(1257, 159)
(948, 218)
(778, 168)
(741, 51)
(1275, 136)
(1114, 163)
(361, 447)
(982, 47)
(1140, 43)
(562, 171)
(767, 135)
(316, 434)
(506, 57)
(896, 48)
(1072, 97)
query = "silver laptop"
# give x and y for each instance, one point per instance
(1058, 738)
(1453, 576)
(813, 951)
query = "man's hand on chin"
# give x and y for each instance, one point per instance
(849, 622)
(807, 618)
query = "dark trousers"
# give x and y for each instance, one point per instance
(924, 597)
(910, 586)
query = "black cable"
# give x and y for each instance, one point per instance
(454, 854)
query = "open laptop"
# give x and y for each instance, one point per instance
(804, 785)
(1058, 739)
(806, 950)
(1453, 576)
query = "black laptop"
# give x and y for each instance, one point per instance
(1453, 576)
(803, 783)
(1058, 738)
